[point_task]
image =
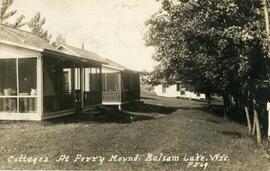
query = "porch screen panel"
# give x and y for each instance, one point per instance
(104, 82)
(87, 79)
(8, 77)
(112, 82)
(58, 85)
(92, 92)
(27, 74)
(99, 84)
(67, 87)
(49, 85)
(8, 85)
(93, 79)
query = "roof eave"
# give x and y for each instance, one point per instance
(72, 52)
(21, 45)
(71, 57)
(112, 67)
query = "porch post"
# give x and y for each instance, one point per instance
(40, 86)
(120, 85)
(268, 109)
(100, 83)
(73, 85)
(82, 85)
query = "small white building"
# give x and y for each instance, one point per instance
(177, 90)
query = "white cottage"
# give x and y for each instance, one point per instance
(177, 90)
(39, 82)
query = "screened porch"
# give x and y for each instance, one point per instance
(18, 85)
(119, 87)
(70, 85)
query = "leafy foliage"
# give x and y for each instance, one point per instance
(36, 25)
(6, 14)
(59, 40)
(216, 46)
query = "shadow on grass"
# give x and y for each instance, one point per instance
(150, 108)
(148, 98)
(231, 134)
(110, 116)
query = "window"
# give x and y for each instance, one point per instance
(98, 80)
(164, 88)
(87, 79)
(67, 80)
(27, 77)
(112, 82)
(27, 73)
(93, 79)
(18, 85)
(178, 87)
(8, 77)
(77, 78)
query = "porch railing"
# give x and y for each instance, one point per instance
(56, 103)
(92, 98)
(116, 96)
(113, 96)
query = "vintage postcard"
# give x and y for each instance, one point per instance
(134, 85)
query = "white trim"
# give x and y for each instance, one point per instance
(71, 51)
(115, 103)
(13, 97)
(20, 45)
(20, 116)
(40, 85)
(18, 85)
(112, 67)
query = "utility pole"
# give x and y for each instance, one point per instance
(266, 16)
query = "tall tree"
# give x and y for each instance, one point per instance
(217, 46)
(6, 13)
(36, 25)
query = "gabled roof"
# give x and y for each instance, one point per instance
(114, 64)
(107, 63)
(82, 53)
(19, 38)
(23, 38)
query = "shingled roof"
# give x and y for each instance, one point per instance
(83, 53)
(88, 54)
(114, 64)
(29, 40)
(23, 38)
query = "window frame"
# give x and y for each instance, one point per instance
(18, 97)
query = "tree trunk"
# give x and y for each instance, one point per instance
(258, 128)
(209, 100)
(248, 119)
(265, 7)
(225, 104)
(254, 126)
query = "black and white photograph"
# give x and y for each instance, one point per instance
(135, 85)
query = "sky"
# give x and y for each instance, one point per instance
(113, 29)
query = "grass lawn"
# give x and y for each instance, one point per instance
(166, 126)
